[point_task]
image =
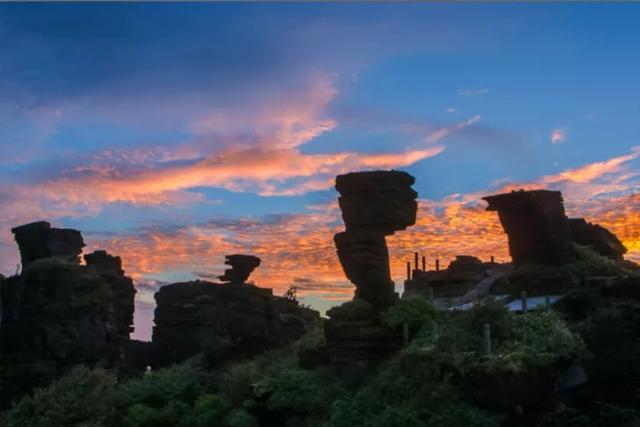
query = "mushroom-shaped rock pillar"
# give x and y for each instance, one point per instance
(374, 205)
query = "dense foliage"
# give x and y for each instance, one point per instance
(442, 378)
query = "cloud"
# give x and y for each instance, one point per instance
(266, 159)
(299, 248)
(473, 92)
(558, 136)
(446, 131)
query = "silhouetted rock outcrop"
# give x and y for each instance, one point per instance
(241, 268)
(58, 313)
(223, 320)
(122, 289)
(378, 201)
(598, 238)
(536, 224)
(38, 240)
(460, 277)
(373, 204)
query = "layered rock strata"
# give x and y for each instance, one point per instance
(122, 290)
(374, 205)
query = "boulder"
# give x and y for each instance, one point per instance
(38, 240)
(536, 224)
(241, 268)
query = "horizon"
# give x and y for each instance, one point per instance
(172, 135)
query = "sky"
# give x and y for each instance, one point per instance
(173, 134)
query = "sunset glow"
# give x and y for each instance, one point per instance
(171, 140)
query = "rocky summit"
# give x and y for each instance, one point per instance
(39, 240)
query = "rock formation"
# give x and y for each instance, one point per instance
(224, 320)
(241, 267)
(373, 204)
(598, 238)
(57, 313)
(38, 240)
(220, 320)
(536, 224)
(122, 289)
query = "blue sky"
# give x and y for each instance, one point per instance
(152, 123)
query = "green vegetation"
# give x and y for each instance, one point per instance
(442, 378)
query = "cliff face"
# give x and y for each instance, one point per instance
(109, 267)
(58, 313)
(223, 320)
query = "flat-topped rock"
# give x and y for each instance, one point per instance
(39, 240)
(241, 268)
(536, 224)
(380, 201)
(223, 320)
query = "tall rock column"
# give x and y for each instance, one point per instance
(374, 205)
(537, 226)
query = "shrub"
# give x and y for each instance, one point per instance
(314, 339)
(240, 418)
(413, 311)
(80, 398)
(178, 383)
(543, 338)
(299, 391)
(590, 263)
